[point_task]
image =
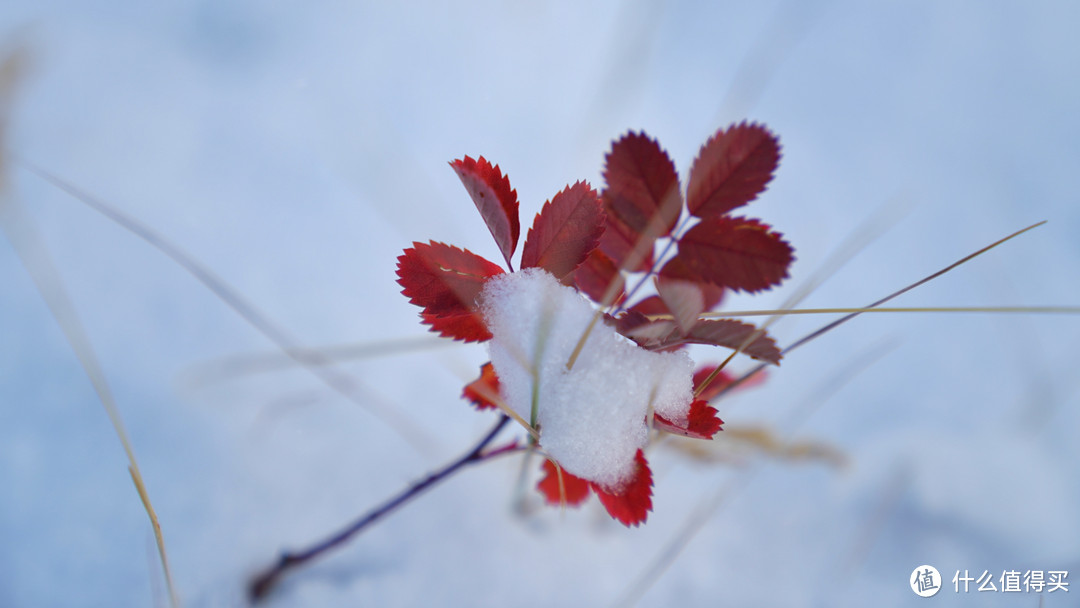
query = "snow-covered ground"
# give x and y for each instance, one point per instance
(297, 149)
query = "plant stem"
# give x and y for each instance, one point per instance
(656, 262)
(262, 584)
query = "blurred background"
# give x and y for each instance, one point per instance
(296, 148)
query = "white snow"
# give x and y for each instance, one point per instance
(592, 417)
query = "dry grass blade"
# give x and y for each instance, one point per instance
(227, 367)
(701, 516)
(313, 361)
(28, 246)
(1041, 310)
(870, 229)
(833, 325)
(914, 285)
(739, 441)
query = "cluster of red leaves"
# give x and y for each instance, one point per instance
(592, 241)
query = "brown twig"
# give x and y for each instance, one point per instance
(262, 584)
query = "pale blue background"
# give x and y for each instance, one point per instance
(297, 148)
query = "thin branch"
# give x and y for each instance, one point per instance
(262, 584)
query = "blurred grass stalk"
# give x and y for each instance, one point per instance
(24, 239)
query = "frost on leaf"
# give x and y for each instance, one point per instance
(572, 492)
(484, 391)
(591, 417)
(565, 231)
(445, 281)
(736, 253)
(497, 203)
(731, 169)
(631, 502)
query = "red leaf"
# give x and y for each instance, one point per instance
(651, 305)
(731, 334)
(702, 422)
(721, 381)
(573, 492)
(642, 185)
(643, 200)
(675, 269)
(731, 169)
(596, 275)
(497, 203)
(714, 295)
(567, 228)
(467, 327)
(484, 391)
(736, 253)
(445, 282)
(684, 299)
(631, 503)
(661, 334)
(619, 243)
(442, 278)
(649, 334)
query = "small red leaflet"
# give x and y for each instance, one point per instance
(497, 203)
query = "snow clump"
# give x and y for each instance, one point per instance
(592, 418)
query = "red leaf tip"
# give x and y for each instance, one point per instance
(561, 488)
(643, 193)
(631, 503)
(484, 391)
(565, 232)
(701, 422)
(494, 199)
(732, 168)
(445, 281)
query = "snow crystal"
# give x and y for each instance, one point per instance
(592, 418)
